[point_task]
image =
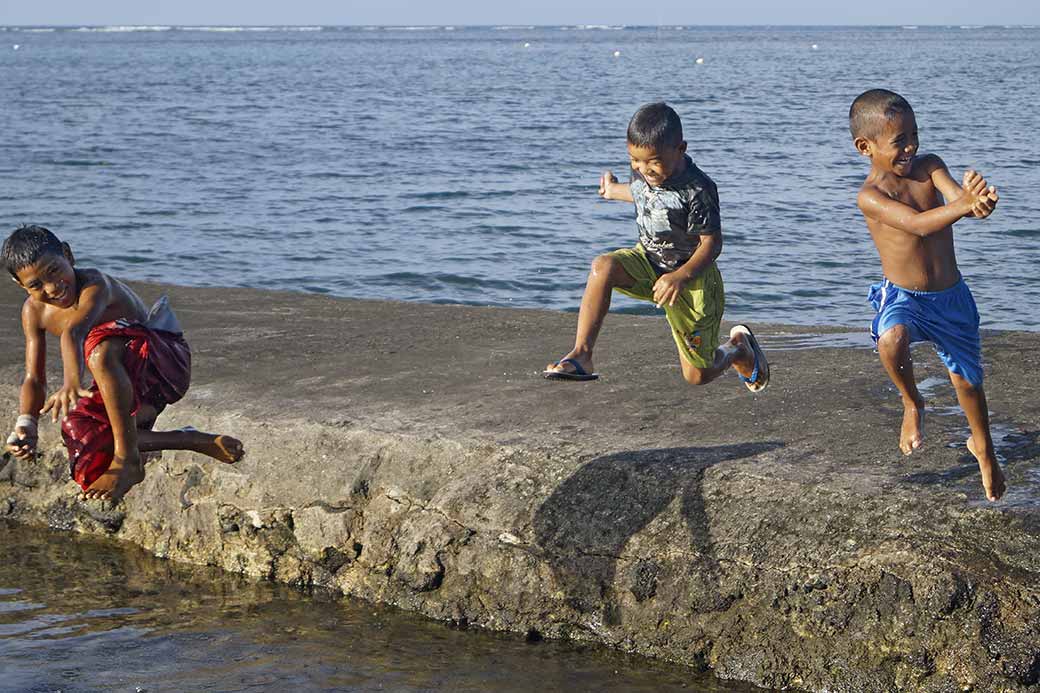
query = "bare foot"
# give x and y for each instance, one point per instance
(992, 475)
(910, 435)
(120, 477)
(222, 448)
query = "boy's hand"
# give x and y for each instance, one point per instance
(22, 441)
(985, 205)
(62, 402)
(983, 197)
(606, 186)
(668, 287)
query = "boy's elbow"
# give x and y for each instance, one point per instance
(714, 243)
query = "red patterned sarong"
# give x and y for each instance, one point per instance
(158, 363)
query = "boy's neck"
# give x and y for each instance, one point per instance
(684, 164)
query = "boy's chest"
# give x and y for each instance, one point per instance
(921, 195)
(661, 210)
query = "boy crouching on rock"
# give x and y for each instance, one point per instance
(138, 359)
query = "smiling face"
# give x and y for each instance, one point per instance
(50, 280)
(656, 165)
(894, 148)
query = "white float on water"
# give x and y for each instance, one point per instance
(617, 54)
(16, 46)
(815, 47)
(699, 61)
(527, 45)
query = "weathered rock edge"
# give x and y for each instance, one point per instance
(658, 552)
(804, 559)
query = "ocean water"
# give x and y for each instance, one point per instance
(79, 615)
(460, 165)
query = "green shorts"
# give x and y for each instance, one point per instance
(697, 312)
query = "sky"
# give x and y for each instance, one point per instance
(462, 12)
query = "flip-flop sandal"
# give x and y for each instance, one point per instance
(579, 373)
(759, 378)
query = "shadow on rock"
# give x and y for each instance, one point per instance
(587, 521)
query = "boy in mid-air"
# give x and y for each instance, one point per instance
(910, 203)
(673, 265)
(138, 358)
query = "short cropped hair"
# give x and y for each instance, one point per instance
(26, 246)
(655, 125)
(872, 109)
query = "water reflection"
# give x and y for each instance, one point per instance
(79, 614)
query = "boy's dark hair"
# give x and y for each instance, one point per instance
(872, 109)
(26, 246)
(655, 125)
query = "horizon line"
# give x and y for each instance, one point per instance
(518, 26)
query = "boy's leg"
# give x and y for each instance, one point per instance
(106, 365)
(607, 273)
(894, 348)
(734, 352)
(972, 399)
(220, 447)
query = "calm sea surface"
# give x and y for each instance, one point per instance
(84, 615)
(459, 165)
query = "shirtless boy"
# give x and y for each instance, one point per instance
(673, 265)
(138, 359)
(911, 202)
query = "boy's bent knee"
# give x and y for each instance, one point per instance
(605, 265)
(694, 375)
(106, 355)
(894, 337)
(963, 384)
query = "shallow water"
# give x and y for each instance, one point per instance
(460, 164)
(78, 614)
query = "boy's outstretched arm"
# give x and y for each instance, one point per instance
(973, 183)
(877, 205)
(22, 442)
(612, 189)
(94, 297)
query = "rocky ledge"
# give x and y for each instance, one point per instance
(412, 454)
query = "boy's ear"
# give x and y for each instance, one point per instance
(862, 145)
(682, 147)
(66, 250)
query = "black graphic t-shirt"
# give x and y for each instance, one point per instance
(673, 217)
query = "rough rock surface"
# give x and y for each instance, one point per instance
(411, 454)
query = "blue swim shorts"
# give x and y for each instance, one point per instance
(948, 319)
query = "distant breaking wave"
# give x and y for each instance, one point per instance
(121, 29)
(250, 28)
